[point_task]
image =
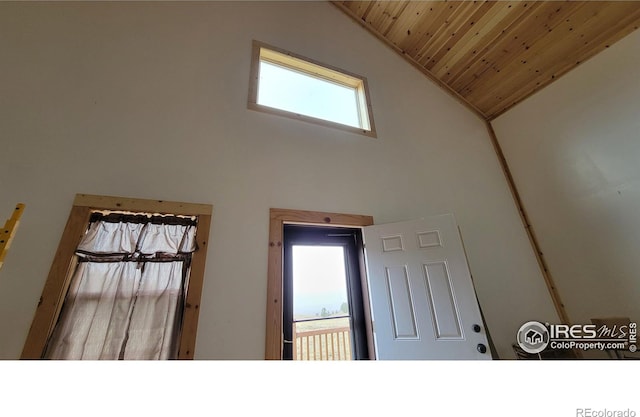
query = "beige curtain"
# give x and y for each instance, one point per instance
(126, 295)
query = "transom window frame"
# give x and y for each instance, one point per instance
(65, 260)
(312, 68)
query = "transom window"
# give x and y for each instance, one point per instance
(290, 85)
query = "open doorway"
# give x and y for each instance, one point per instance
(417, 286)
(323, 301)
(278, 219)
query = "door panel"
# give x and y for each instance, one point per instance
(444, 310)
(401, 303)
(422, 298)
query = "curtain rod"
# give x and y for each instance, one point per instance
(141, 219)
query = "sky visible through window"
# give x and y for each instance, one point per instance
(319, 280)
(293, 91)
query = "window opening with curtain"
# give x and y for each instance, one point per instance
(126, 296)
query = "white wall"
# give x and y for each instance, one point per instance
(148, 100)
(574, 150)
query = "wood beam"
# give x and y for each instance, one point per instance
(544, 268)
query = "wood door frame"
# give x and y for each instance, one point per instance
(277, 219)
(64, 262)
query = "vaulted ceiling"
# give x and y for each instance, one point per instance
(493, 54)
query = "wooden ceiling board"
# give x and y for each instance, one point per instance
(515, 37)
(449, 34)
(486, 40)
(485, 31)
(520, 86)
(384, 14)
(548, 56)
(359, 8)
(406, 28)
(431, 18)
(450, 18)
(493, 54)
(515, 59)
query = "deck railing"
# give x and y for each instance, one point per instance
(324, 344)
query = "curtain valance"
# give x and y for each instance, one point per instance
(126, 238)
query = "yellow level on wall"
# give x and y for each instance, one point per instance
(9, 230)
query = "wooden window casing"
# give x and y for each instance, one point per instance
(65, 260)
(262, 51)
(278, 218)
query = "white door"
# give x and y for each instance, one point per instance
(422, 298)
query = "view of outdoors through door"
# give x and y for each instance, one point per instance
(323, 310)
(321, 320)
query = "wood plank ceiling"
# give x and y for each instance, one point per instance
(493, 54)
